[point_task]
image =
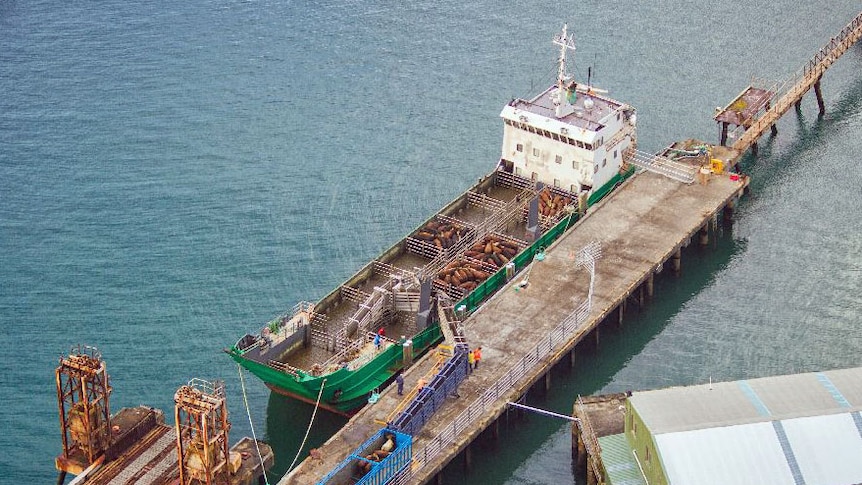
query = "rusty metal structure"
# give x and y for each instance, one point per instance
(83, 392)
(202, 433)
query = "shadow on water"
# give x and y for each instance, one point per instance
(493, 461)
(286, 423)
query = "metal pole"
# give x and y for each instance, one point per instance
(542, 411)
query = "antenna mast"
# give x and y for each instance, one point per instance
(566, 42)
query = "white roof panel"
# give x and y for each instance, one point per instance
(741, 455)
(827, 448)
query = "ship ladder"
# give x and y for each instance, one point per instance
(681, 172)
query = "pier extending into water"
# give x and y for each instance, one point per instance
(540, 318)
(758, 107)
(525, 330)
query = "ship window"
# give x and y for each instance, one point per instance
(573, 142)
(534, 176)
(556, 182)
(604, 162)
(555, 136)
(580, 144)
(535, 152)
(519, 147)
(547, 134)
(647, 453)
(575, 164)
(588, 146)
(596, 168)
(615, 154)
(559, 159)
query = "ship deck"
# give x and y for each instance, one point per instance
(640, 227)
(338, 314)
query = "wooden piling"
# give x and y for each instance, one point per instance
(819, 95)
(591, 476)
(676, 261)
(650, 286)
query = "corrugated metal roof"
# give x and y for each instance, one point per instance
(742, 455)
(803, 429)
(756, 400)
(620, 464)
(828, 449)
(817, 450)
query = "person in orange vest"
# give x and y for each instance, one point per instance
(471, 361)
(477, 356)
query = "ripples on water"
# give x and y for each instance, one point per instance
(173, 175)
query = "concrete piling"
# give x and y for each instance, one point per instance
(676, 261)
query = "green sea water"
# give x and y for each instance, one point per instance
(174, 175)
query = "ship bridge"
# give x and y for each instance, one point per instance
(589, 111)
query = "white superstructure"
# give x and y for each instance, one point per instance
(569, 136)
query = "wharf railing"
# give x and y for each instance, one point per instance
(792, 90)
(477, 409)
(590, 438)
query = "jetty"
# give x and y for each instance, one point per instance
(583, 282)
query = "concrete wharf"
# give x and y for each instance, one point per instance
(641, 228)
(525, 330)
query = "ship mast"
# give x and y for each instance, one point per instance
(566, 42)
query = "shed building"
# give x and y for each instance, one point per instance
(803, 429)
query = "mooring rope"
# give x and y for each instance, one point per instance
(248, 413)
(307, 431)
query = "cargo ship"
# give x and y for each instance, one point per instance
(563, 150)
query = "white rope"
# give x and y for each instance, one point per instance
(248, 412)
(307, 431)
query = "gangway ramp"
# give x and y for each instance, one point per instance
(679, 171)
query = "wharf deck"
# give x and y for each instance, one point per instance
(148, 455)
(640, 226)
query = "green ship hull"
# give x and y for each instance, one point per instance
(344, 391)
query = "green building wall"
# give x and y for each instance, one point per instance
(641, 441)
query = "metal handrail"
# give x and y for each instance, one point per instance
(476, 410)
(591, 441)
